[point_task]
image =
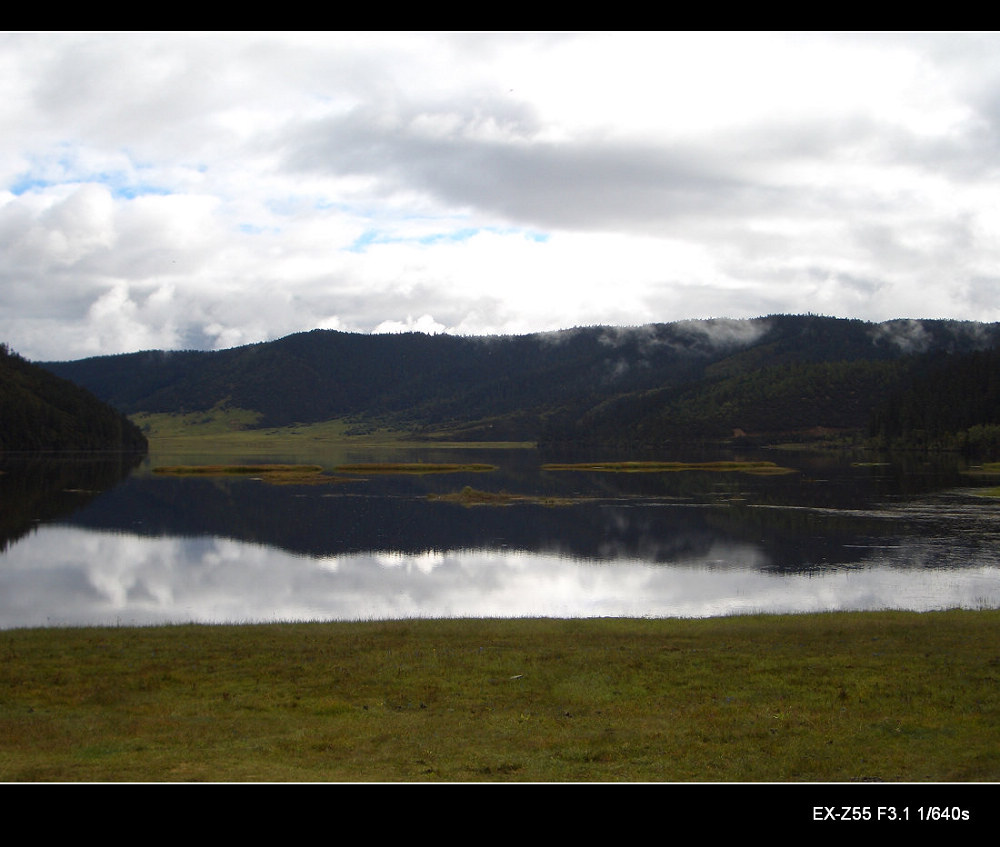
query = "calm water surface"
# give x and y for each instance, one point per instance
(88, 541)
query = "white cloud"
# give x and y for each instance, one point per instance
(210, 189)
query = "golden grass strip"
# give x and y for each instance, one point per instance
(667, 467)
(413, 468)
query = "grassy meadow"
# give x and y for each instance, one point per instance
(894, 697)
(228, 431)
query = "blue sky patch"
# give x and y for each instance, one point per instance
(63, 167)
(130, 192)
(374, 236)
(26, 183)
(257, 229)
(453, 237)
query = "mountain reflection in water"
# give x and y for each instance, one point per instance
(153, 549)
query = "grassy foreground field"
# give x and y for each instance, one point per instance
(898, 697)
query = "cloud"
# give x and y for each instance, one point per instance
(425, 324)
(224, 188)
(582, 184)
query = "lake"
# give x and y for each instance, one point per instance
(90, 540)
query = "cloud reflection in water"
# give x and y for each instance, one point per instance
(69, 576)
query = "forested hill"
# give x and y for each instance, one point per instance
(631, 386)
(42, 412)
(952, 402)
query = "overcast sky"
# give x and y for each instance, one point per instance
(206, 190)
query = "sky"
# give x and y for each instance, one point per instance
(204, 190)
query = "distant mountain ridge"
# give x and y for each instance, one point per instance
(707, 379)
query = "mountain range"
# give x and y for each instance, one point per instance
(779, 376)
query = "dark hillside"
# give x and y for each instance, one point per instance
(410, 377)
(634, 385)
(952, 401)
(42, 412)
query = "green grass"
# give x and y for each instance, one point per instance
(228, 431)
(222, 420)
(898, 697)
